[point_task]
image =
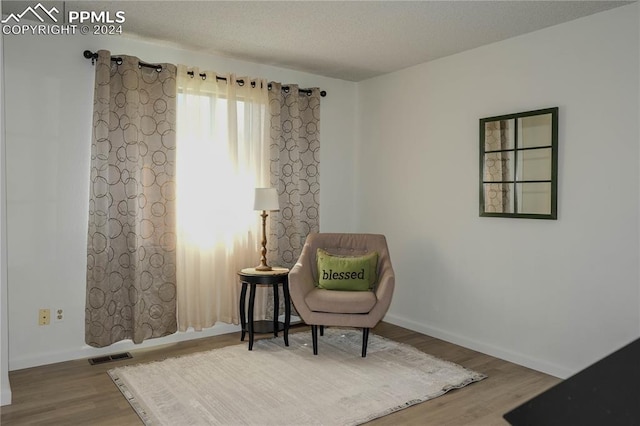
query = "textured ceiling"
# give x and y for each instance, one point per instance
(348, 40)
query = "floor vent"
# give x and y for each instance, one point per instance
(109, 358)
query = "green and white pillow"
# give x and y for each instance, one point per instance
(347, 273)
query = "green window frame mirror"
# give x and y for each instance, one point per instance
(519, 165)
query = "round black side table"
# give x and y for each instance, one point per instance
(251, 277)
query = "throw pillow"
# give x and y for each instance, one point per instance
(347, 273)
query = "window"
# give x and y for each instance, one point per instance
(219, 160)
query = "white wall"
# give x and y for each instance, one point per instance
(5, 388)
(552, 295)
(49, 98)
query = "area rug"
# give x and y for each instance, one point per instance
(278, 385)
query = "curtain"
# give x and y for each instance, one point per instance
(131, 280)
(223, 155)
(498, 168)
(295, 165)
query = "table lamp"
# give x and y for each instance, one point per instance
(266, 199)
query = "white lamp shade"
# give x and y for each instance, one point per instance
(266, 199)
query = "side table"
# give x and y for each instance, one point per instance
(252, 278)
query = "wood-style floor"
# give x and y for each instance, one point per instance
(76, 393)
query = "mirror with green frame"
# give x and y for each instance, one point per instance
(519, 165)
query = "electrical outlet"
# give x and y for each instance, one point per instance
(58, 315)
(44, 317)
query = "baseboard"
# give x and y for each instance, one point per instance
(5, 395)
(87, 351)
(495, 351)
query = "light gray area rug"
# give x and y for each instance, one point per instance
(278, 385)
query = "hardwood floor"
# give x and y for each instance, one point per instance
(76, 393)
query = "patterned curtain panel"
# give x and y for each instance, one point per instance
(295, 164)
(498, 196)
(131, 272)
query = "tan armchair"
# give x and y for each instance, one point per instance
(320, 307)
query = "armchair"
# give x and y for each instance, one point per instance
(320, 307)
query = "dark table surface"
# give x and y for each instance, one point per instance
(607, 393)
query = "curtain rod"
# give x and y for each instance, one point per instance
(94, 55)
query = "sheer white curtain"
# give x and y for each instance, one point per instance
(222, 155)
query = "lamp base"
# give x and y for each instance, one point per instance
(263, 260)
